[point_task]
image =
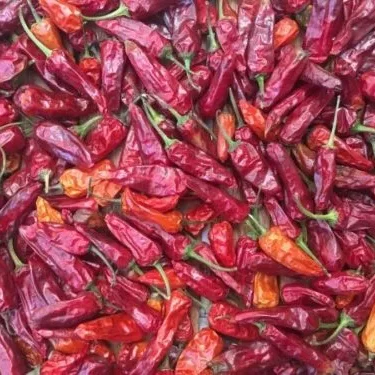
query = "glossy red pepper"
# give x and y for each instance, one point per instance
(222, 243)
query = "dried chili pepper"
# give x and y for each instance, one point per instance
(266, 291)
(193, 358)
(285, 31)
(222, 243)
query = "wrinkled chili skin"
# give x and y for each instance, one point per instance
(299, 318)
(295, 293)
(113, 54)
(107, 135)
(208, 286)
(157, 80)
(322, 241)
(68, 267)
(66, 314)
(12, 361)
(145, 251)
(33, 100)
(300, 119)
(217, 93)
(62, 143)
(9, 299)
(17, 207)
(316, 75)
(8, 112)
(12, 139)
(293, 184)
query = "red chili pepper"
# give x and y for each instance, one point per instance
(153, 277)
(341, 283)
(177, 308)
(295, 293)
(60, 142)
(92, 67)
(318, 76)
(130, 154)
(113, 251)
(113, 54)
(285, 31)
(345, 155)
(17, 207)
(242, 359)
(11, 139)
(59, 363)
(305, 158)
(222, 243)
(157, 80)
(283, 77)
(300, 119)
(12, 63)
(68, 267)
(293, 346)
(288, 173)
(197, 218)
(198, 82)
(207, 286)
(66, 314)
(217, 93)
(8, 112)
(9, 300)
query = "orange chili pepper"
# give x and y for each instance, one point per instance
(285, 31)
(204, 346)
(368, 334)
(169, 221)
(104, 191)
(227, 123)
(66, 17)
(118, 327)
(70, 345)
(156, 303)
(45, 213)
(285, 251)
(343, 301)
(253, 117)
(162, 204)
(153, 277)
(47, 33)
(266, 290)
(76, 182)
(101, 349)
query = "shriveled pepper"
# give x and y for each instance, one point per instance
(45, 213)
(266, 290)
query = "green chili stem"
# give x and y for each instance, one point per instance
(177, 62)
(164, 276)
(359, 128)
(307, 250)
(190, 253)
(167, 141)
(99, 254)
(121, 11)
(213, 45)
(331, 140)
(45, 176)
(17, 262)
(346, 321)
(83, 129)
(180, 119)
(260, 80)
(235, 109)
(261, 326)
(331, 217)
(29, 33)
(258, 226)
(328, 325)
(35, 14)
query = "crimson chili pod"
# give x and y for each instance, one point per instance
(12, 360)
(295, 293)
(147, 319)
(299, 120)
(114, 251)
(208, 286)
(12, 139)
(17, 207)
(8, 112)
(12, 63)
(62, 143)
(129, 29)
(318, 76)
(69, 268)
(145, 251)
(106, 136)
(149, 179)
(217, 93)
(112, 54)
(341, 283)
(9, 16)
(130, 154)
(63, 202)
(9, 298)
(299, 318)
(288, 172)
(198, 82)
(157, 80)
(322, 241)
(66, 314)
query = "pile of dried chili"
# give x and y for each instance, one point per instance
(187, 187)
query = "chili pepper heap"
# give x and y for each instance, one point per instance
(187, 187)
